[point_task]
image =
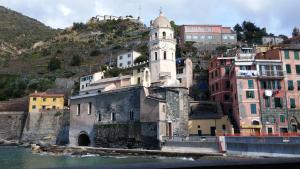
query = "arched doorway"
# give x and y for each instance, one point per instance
(294, 125)
(83, 139)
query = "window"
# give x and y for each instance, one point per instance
(129, 63)
(270, 130)
(292, 103)
(199, 126)
(165, 55)
(217, 86)
(99, 116)
(224, 127)
(288, 68)
(33, 107)
(131, 115)
(298, 69)
(282, 118)
(44, 107)
(298, 85)
(296, 55)
(267, 102)
(253, 108)
(129, 55)
(78, 109)
(120, 65)
(278, 102)
(290, 85)
(155, 55)
(120, 57)
(155, 35)
(250, 84)
(90, 108)
(53, 107)
(164, 108)
(286, 54)
(44, 99)
(138, 80)
(164, 35)
(250, 95)
(82, 86)
(34, 99)
(226, 97)
(227, 84)
(138, 70)
(227, 69)
(113, 116)
(54, 99)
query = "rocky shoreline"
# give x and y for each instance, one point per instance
(81, 151)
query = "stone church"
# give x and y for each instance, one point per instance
(127, 115)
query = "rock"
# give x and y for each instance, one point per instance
(25, 145)
(35, 148)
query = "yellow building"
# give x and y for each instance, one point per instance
(45, 101)
(207, 119)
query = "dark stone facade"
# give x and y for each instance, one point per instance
(113, 118)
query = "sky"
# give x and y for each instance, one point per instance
(278, 16)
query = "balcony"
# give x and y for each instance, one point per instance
(271, 74)
(247, 73)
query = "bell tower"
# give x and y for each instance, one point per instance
(162, 48)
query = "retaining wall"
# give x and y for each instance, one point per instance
(263, 146)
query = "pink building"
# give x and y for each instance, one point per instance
(264, 89)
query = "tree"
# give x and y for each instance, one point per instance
(54, 64)
(176, 28)
(76, 60)
(113, 72)
(249, 33)
(296, 32)
(239, 30)
(140, 59)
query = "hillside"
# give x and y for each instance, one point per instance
(21, 31)
(71, 53)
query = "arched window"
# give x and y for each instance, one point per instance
(155, 35)
(155, 55)
(165, 55)
(172, 56)
(255, 122)
(164, 35)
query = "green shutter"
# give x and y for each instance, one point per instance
(253, 108)
(282, 119)
(296, 54)
(288, 68)
(290, 85)
(286, 54)
(298, 85)
(298, 69)
(250, 84)
(292, 103)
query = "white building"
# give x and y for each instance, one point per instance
(85, 81)
(272, 40)
(162, 48)
(127, 59)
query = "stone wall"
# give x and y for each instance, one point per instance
(127, 135)
(118, 102)
(11, 125)
(47, 127)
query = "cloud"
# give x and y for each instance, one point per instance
(64, 10)
(278, 16)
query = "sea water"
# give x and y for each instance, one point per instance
(21, 158)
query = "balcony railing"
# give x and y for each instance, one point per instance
(271, 74)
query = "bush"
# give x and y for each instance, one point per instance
(140, 59)
(54, 64)
(76, 60)
(113, 72)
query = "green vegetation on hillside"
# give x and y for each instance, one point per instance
(22, 31)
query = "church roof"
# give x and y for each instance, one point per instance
(161, 21)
